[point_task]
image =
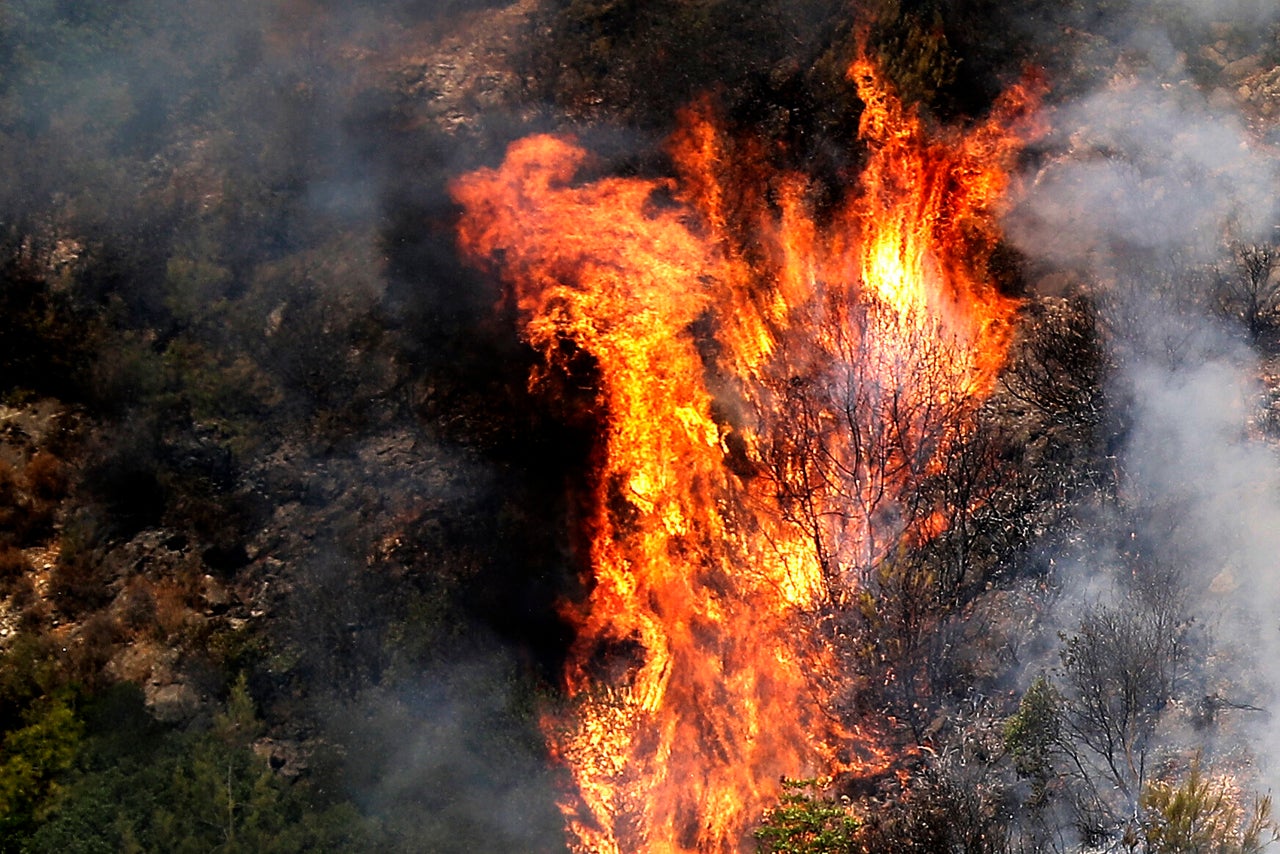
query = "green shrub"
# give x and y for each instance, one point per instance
(1202, 814)
(34, 757)
(141, 787)
(805, 822)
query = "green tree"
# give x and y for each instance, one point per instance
(912, 49)
(1031, 736)
(142, 788)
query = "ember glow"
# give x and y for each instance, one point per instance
(772, 384)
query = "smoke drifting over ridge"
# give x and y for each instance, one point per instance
(1144, 183)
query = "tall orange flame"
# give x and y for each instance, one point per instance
(749, 359)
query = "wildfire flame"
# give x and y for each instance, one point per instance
(750, 357)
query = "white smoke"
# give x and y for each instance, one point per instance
(1144, 183)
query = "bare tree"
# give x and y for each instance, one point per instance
(1058, 366)
(866, 417)
(1248, 288)
(1149, 310)
(1086, 739)
(1121, 669)
(1115, 666)
(878, 458)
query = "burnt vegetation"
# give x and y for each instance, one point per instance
(283, 531)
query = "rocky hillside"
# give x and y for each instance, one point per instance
(284, 532)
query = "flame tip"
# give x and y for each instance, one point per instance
(734, 337)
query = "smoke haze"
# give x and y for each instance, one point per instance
(237, 216)
(1143, 184)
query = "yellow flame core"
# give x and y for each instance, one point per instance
(699, 676)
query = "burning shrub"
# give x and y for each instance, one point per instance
(842, 354)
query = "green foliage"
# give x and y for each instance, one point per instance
(642, 61)
(196, 286)
(127, 372)
(237, 649)
(804, 822)
(230, 391)
(912, 50)
(32, 759)
(143, 789)
(468, 769)
(29, 670)
(1203, 816)
(1031, 734)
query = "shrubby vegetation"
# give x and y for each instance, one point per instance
(804, 821)
(264, 434)
(127, 783)
(221, 295)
